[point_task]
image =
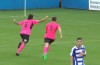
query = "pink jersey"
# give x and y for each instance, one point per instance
(27, 26)
(51, 29)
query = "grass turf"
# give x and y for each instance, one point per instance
(74, 23)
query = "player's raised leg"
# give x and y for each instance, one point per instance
(45, 51)
(19, 44)
(46, 47)
(25, 39)
(20, 48)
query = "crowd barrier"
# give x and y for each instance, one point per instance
(30, 4)
(77, 4)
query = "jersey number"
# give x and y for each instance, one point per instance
(26, 24)
(51, 28)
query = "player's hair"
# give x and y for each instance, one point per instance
(54, 18)
(30, 16)
(79, 38)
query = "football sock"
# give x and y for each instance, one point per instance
(45, 50)
(21, 48)
(48, 48)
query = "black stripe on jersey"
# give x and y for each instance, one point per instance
(31, 26)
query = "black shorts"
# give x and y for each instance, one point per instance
(48, 40)
(25, 38)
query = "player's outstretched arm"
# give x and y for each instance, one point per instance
(15, 21)
(60, 31)
(43, 19)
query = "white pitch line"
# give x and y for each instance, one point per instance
(79, 21)
(35, 43)
(50, 17)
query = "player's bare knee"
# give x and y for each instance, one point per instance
(46, 44)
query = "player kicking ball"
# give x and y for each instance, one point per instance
(77, 53)
(26, 30)
(50, 35)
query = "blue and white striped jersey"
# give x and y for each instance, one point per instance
(77, 59)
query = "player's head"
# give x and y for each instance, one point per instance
(54, 18)
(30, 16)
(79, 41)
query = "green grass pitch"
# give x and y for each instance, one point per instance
(74, 23)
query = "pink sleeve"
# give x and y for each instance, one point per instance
(35, 21)
(20, 23)
(58, 26)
